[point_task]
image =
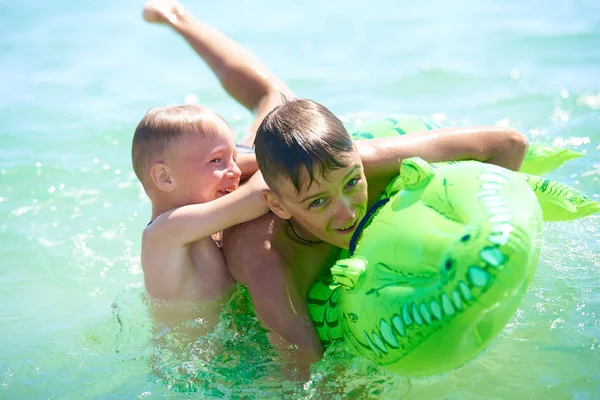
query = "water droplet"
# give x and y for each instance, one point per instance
(190, 99)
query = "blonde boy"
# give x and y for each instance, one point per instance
(185, 157)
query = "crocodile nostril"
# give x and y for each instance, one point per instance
(465, 238)
(448, 265)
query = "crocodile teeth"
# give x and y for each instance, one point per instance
(416, 315)
(447, 305)
(500, 240)
(500, 218)
(492, 177)
(406, 315)
(493, 256)
(491, 186)
(398, 325)
(436, 310)
(388, 334)
(478, 277)
(379, 343)
(371, 345)
(425, 313)
(465, 291)
(504, 229)
(457, 300)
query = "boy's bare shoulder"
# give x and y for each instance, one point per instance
(252, 247)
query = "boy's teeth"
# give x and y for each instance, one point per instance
(347, 227)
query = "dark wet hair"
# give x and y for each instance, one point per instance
(300, 134)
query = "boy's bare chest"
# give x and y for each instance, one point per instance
(305, 264)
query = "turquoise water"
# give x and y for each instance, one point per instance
(77, 77)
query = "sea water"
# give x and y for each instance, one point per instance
(76, 77)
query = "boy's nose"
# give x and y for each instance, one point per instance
(234, 170)
(346, 212)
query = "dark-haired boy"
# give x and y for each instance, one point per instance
(317, 178)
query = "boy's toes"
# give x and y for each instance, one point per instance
(161, 11)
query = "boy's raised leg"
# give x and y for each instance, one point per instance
(241, 74)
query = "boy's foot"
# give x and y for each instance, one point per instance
(162, 11)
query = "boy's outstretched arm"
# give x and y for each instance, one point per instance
(241, 74)
(496, 145)
(178, 227)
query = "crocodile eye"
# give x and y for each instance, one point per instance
(465, 238)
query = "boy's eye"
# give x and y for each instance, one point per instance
(352, 182)
(215, 161)
(316, 203)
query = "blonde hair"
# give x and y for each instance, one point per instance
(161, 127)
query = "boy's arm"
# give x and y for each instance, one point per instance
(247, 164)
(280, 308)
(186, 224)
(241, 74)
(497, 145)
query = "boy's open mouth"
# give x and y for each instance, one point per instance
(224, 192)
(348, 229)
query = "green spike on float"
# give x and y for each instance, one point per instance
(416, 173)
(542, 158)
(347, 272)
(560, 202)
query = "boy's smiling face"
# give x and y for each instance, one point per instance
(203, 166)
(331, 207)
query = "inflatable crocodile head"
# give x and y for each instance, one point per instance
(440, 268)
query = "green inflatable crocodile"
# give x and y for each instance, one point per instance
(439, 265)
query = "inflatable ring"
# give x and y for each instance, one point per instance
(439, 265)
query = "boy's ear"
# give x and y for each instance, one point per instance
(274, 203)
(161, 177)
